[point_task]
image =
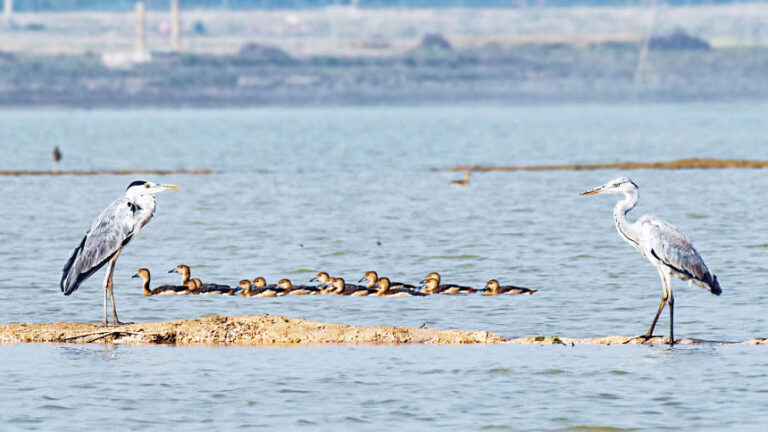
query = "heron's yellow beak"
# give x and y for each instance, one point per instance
(592, 192)
(170, 187)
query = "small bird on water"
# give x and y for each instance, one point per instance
(431, 285)
(200, 287)
(161, 290)
(56, 158)
(660, 243)
(464, 182)
(493, 288)
(115, 227)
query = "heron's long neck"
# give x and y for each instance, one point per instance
(145, 210)
(629, 231)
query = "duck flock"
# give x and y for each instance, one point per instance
(325, 284)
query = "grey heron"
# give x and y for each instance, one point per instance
(493, 288)
(120, 222)
(660, 243)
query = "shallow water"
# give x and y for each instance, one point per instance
(302, 190)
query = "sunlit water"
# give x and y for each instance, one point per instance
(350, 189)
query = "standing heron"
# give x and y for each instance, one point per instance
(109, 234)
(660, 243)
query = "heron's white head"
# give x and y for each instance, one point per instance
(141, 187)
(620, 185)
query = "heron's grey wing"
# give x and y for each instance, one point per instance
(112, 230)
(673, 249)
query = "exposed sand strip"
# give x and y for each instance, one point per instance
(240, 330)
(274, 330)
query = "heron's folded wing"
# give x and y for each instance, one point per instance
(109, 232)
(673, 249)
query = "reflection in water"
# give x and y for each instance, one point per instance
(87, 353)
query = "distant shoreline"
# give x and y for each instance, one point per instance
(524, 75)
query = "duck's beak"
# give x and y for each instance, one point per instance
(173, 271)
(314, 279)
(423, 281)
(135, 276)
(361, 279)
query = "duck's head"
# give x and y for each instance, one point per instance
(338, 284)
(431, 284)
(284, 284)
(245, 285)
(259, 282)
(370, 276)
(142, 273)
(492, 285)
(181, 269)
(321, 277)
(466, 175)
(619, 185)
(382, 284)
(433, 275)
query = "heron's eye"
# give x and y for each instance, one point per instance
(616, 184)
(146, 185)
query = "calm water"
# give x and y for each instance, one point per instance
(303, 190)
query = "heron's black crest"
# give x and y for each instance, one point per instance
(136, 183)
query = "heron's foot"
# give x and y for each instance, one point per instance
(117, 324)
(644, 337)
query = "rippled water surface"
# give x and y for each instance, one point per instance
(351, 189)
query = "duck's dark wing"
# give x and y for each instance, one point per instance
(305, 287)
(166, 288)
(212, 287)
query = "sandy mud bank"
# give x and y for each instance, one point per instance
(239, 330)
(266, 330)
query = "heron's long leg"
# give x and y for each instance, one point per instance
(110, 273)
(671, 318)
(664, 297)
(106, 283)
